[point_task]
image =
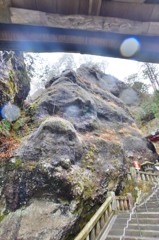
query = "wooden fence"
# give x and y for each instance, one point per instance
(93, 229)
(145, 176)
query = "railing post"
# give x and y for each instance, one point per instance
(130, 201)
(143, 177)
(92, 234)
(117, 205)
(133, 173)
(138, 176)
(148, 178)
(129, 176)
(126, 205)
(114, 205)
(121, 204)
(98, 228)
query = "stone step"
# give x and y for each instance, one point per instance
(112, 237)
(144, 233)
(153, 199)
(116, 232)
(149, 205)
(134, 226)
(155, 195)
(147, 209)
(146, 215)
(152, 202)
(123, 215)
(146, 220)
(117, 225)
(135, 232)
(143, 226)
(122, 218)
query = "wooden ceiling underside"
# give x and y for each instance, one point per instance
(123, 18)
(140, 10)
(118, 16)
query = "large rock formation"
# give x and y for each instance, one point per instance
(84, 142)
(14, 81)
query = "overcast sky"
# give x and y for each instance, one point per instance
(122, 68)
(119, 68)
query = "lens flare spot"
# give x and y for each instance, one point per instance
(129, 47)
(10, 112)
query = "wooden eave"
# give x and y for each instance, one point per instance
(86, 26)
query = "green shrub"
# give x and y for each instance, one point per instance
(155, 104)
(18, 124)
(5, 127)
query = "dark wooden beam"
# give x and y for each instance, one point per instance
(42, 39)
(99, 3)
(94, 7)
(28, 4)
(90, 7)
(93, 23)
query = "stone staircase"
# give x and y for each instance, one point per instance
(131, 223)
(144, 222)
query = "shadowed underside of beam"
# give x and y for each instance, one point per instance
(42, 39)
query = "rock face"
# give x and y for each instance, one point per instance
(41, 220)
(14, 81)
(109, 83)
(84, 143)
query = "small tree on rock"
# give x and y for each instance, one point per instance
(150, 71)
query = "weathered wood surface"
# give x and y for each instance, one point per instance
(94, 7)
(132, 11)
(5, 15)
(98, 7)
(5, 3)
(129, 9)
(92, 23)
(115, 16)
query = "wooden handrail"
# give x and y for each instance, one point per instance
(101, 218)
(83, 235)
(96, 224)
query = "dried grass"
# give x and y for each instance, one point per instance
(7, 147)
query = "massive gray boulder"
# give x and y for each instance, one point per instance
(40, 220)
(109, 83)
(81, 147)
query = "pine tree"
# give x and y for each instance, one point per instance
(151, 72)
